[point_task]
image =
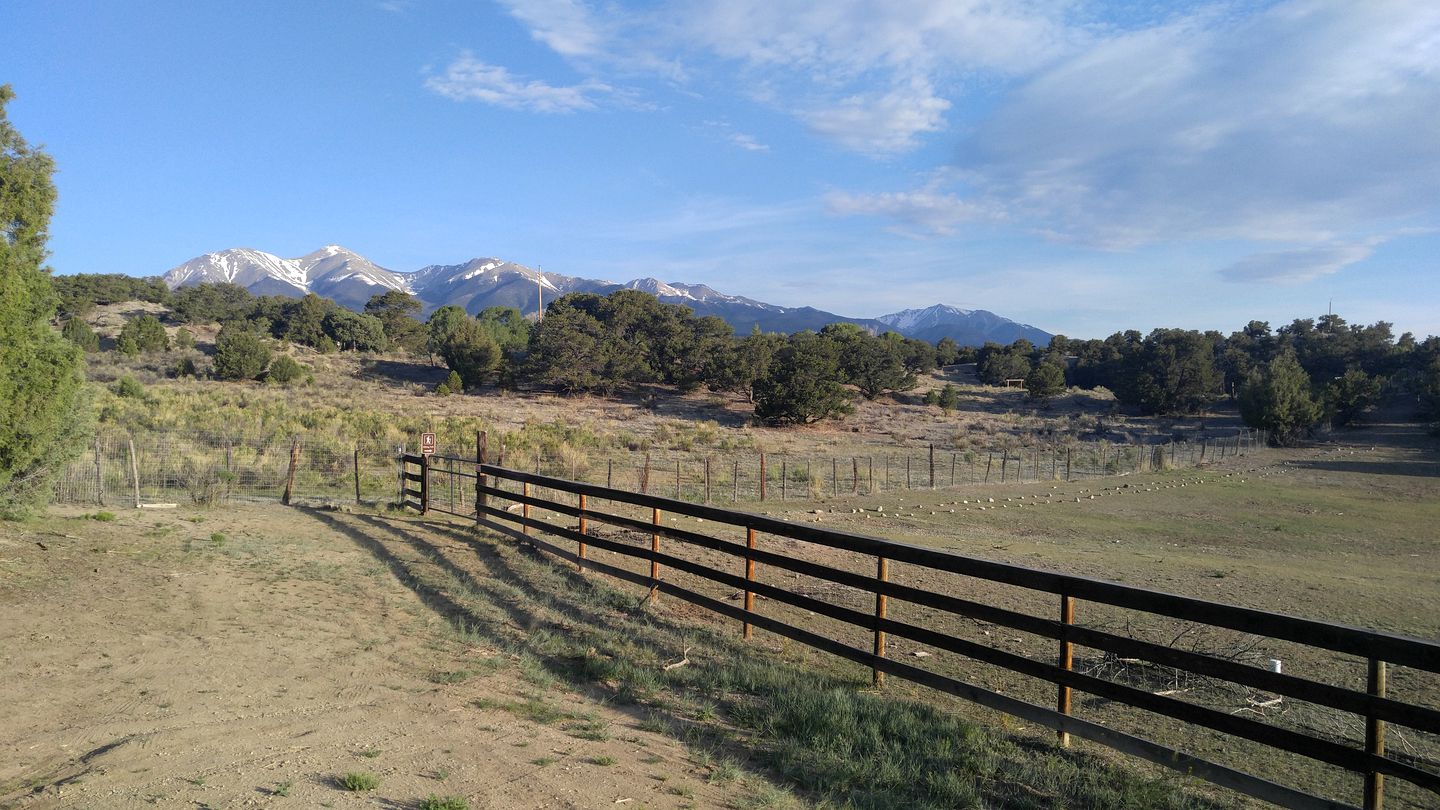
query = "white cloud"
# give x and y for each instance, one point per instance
(747, 142)
(861, 73)
(933, 212)
(1311, 123)
(881, 123)
(565, 26)
(1303, 264)
(469, 79)
(1300, 124)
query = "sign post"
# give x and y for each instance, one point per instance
(427, 449)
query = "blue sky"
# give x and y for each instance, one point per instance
(1082, 166)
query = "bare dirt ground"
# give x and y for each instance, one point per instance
(251, 656)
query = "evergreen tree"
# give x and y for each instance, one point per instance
(1347, 396)
(41, 376)
(1046, 381)
(802, 384)
(394, 309)
(78, 332)
(738, 366)
(143, 334)
(240, 354)
(471, 352)
(876, 365)
(1277, 398)
(442, 322)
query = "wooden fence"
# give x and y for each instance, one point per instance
(580, 517)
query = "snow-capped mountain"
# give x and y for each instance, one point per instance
(350, 280)
(968, 327)
(242, 266)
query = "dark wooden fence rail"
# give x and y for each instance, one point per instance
(1379, 649)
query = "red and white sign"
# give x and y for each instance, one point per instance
(427, 444)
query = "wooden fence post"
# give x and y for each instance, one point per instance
(870, 476)
(735, 483)
(748, 629)
(784, 475)
(1067, 662)
(424, 485)
(289, 476)
(99, 473)
(1068, 451)
(834, 477)
(654, 564)
(762, 476)
(1375, 738)
(357, 474)
(400, 453)
(135, 475)
(932, 466)
(609, 473)
(854, 476)
(882, 573)
(707, 480)
(481, 499)
(525, 507)
(907, 471)
(989, 459)
(677, 479)
(583, 550)
(953, 462)
(645, 477)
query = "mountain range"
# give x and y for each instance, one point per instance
(350, 280)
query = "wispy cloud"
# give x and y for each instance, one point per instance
(565, 26)
(924, 212)
(469, 79)
(881, 123)
(1294, 266)
(747, 142)
(1311, 122)
(1299, 124)
(865, 75)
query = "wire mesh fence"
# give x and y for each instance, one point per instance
(132, 467)
(120, 467)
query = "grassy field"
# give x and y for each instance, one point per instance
(1342, 530)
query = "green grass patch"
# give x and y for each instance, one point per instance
(433, 802)
(358, 782)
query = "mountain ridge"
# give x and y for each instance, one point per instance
(350, 279)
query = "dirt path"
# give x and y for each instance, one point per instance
(249, 657)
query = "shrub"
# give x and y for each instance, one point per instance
(284, 369)
(357, 782)
(185, 367)
(433, 802)
(143, 334)
(451, 385)
(184, 339)
(128, 386)
(78, 332)
(240, 354)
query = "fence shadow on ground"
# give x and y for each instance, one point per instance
(611, 646)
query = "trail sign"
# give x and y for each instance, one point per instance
(427, 444)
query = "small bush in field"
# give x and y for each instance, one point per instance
(284, 369)
(358, 782)
(128, 386)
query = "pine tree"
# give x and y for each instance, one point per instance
(1277, 398)
(41, 377)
